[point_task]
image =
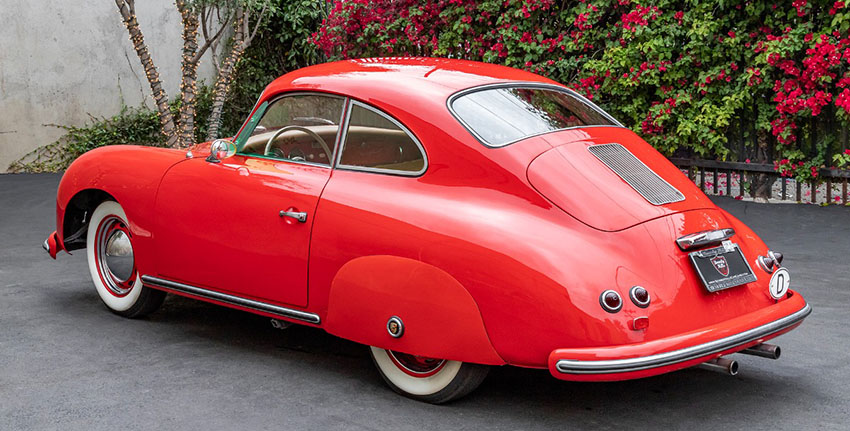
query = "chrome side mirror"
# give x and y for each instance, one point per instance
(221, 149)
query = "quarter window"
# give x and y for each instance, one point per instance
(378, 143)
(298, 128)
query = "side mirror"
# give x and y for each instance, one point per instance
(221, 149)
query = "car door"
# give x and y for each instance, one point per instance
(242, 226)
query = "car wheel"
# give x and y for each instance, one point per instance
(434, 381)
(109, 247)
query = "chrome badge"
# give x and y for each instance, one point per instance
(395, 327)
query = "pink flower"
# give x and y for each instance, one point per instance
(800, 5)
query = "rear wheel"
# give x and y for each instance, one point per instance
(431, 380)
(109, 247)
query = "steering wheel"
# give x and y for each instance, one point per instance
(312, 134)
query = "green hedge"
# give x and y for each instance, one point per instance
(689, 76)
(695, 78)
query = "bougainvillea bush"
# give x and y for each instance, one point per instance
(689, 76)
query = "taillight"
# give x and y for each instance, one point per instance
(771, 262)
(610, 301)
(639, 296)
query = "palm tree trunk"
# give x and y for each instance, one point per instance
(190, 74)
(222, 84)
(166, 120)
(242, 37)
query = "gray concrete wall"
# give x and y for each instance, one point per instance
(62, 61)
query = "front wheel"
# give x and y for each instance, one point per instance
(431, 380)
(112, 264)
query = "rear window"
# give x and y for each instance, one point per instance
(503, 115)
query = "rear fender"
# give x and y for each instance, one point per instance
(440, 318)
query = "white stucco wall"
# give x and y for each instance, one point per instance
(61, 61)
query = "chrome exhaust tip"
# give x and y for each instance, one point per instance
(721, 365)
(280, 324)
(763, 350)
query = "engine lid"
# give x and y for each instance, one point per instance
(612, 180)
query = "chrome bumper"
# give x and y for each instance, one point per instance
(569, 366)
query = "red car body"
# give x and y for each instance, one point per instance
(491, 256)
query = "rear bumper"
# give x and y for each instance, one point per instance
(681, 351)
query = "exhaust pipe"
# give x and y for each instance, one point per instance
(722, 365)
(769, 351)
(280, 324)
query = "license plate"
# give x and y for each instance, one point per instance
(722, 267)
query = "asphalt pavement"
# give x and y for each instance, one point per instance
(67, 363)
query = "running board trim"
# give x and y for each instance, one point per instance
(233, 300)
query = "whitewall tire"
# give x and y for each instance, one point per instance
(109, 248)
(431, 380)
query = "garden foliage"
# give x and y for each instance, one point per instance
(282, 44)
(694, 78)
(688, 76)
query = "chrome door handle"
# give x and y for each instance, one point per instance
(301, 217)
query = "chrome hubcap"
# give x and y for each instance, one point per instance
(115, 256)
(119, 255)
(418, 366)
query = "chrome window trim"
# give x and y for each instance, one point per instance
(343, 131)
(291, 94)
(343, 128)
(383, 171)
(613, 366)
(526, 84)
(234, 300)
(248, 120)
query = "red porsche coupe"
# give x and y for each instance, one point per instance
(451, 215)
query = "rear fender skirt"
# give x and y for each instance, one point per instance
(440, 318)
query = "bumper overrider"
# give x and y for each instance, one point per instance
(680, 351)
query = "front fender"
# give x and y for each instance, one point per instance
(128, 174)
(441, 319)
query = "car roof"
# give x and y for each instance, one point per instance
(384, 81)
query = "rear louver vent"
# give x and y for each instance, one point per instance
(652, 187)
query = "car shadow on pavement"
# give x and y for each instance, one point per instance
(703, 395)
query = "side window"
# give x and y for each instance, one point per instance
(376, 142)
(299, 128)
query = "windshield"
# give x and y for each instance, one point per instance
(503, 115)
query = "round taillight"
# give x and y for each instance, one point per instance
(639, 296)
(611, 301)
(767, 263)
(777, 257)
